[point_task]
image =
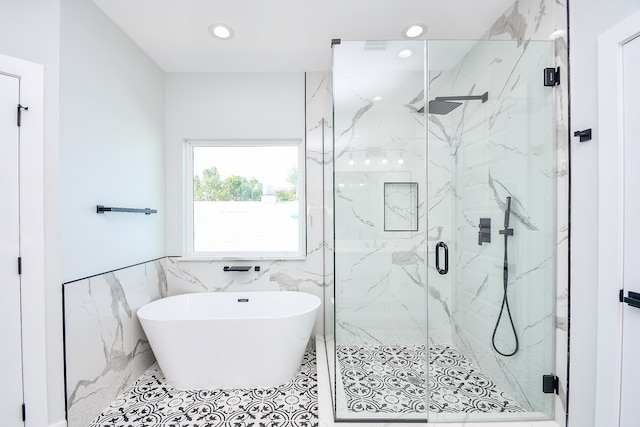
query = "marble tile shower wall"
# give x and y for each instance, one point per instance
(505, 149)
(513, 160)
(186, 276)
(105, 347)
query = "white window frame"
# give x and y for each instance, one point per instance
(301, 253)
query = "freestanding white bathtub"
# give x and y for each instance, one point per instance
(229, 339)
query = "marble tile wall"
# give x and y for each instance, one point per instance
(561, 102)
(504, 148)
(499, 150)
(306, 275)
(105, 347)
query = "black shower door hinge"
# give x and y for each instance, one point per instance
(550, 384)
(552, 76)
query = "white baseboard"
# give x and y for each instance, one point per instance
(62, 423)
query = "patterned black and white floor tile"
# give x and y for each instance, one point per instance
(391, 379)
(150, 402)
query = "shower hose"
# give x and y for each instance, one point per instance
(505, 281)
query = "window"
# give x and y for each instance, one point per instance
(245, 199)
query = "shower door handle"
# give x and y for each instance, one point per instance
(633, 299)
(446, 258)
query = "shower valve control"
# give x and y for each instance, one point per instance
(484, 232)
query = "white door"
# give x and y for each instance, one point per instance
(11, 394)
(630, 389)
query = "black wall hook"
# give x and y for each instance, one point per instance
(585, 135)
(20, 108)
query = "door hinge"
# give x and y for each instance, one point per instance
(550, 384)
(20, 108)
(19, 265)
(24, 412)
(552, 76)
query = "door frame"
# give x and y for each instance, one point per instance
(34, 361)
(610, 218)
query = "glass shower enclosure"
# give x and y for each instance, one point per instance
(442, 187)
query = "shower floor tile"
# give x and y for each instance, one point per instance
(391, 379)
(150, 402)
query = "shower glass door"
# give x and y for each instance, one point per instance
(491, 201)
(444, 230)
(380, 233)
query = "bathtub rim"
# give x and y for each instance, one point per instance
(315, 304)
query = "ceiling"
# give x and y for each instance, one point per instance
(284, 35)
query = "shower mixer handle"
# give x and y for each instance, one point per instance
(506, 231)
(507, 214)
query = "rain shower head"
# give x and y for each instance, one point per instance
(441, 107)
(444, 104)
(437, 106)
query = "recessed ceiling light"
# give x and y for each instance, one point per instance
(221, 31)
(377, 98)
(405, 53)
(414, 31)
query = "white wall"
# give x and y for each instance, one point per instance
(111, 145)
(29, 30)
(224, 105)
(588, 19)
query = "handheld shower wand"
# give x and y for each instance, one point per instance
(505, 281)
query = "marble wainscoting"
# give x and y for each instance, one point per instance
(105, 347)
(188, 276)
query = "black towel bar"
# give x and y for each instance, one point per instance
(102, 209)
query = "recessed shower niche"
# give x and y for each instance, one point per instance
(424, 147)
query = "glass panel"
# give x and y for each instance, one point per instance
(329, 288)
(491, 162)
(380, 273)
